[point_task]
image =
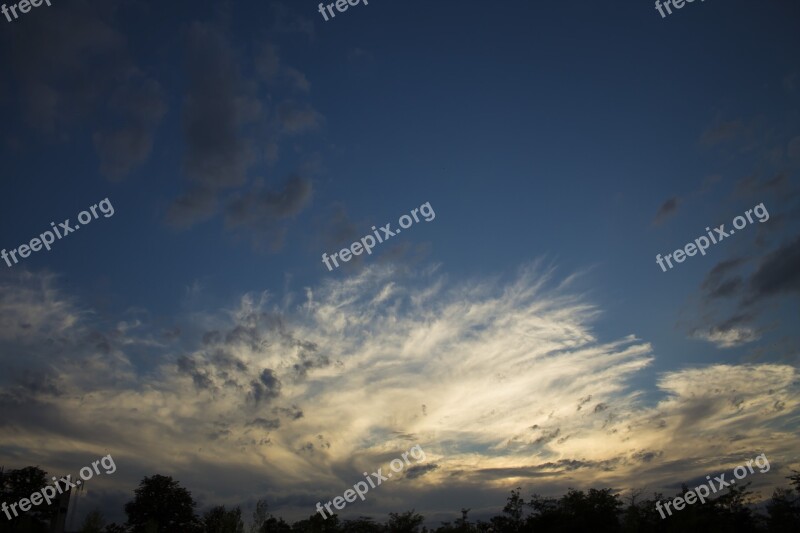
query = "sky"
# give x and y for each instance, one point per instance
(524, 336)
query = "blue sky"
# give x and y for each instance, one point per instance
(556, 141)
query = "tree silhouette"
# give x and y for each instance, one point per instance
(93, 523)
(218, 520)
(512, 518)
(161, 505)
(316, 524)
(18, 484)
(275, 524)
(259, 516)
(784, 509)
(408, 522)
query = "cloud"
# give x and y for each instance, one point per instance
(140, 105)
(261, 209)
(790, 82)
(417, 471)
(217, 107)
(778, 273)
(717, 285)
(793, 148)
(295, 119)
(752, 187)
(267, 387)
(267, 62)
(269, 69)
(499, 366)
(231, 129)
(198, 203)
(264, 203)
(335, 228)
(722, 131)
(73, 66)
(274, 423)
(730, 337)
(32, 307)
(287, 21)
(667, 209)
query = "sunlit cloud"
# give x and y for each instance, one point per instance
(500, 383)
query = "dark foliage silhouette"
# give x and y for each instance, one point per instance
(161, 505)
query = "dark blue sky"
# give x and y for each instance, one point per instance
(238, 141)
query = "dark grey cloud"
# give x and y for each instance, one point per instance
(99, 341)
(717, 275)
(270, 381)
(187, 365)
(793, 148)
(417, 471)
(269, 69)
(298, 118)
(547, 437)
(323, 444)
(722, 131)
(226, 361)
(752, 187)
(171, 334)
(231, 128)
(667, 209)
(335, 228)
(65, 62)
(73, 66)
(308, 448)
(734, 331)
(212, 337)
(138, 107)
(267, 387)
(262, 210)
(285, 20)
(778, 273)
(549, 468)
(309, 361)
(727, 288)
(583, 401)
(263, 423)
(219, 363)
(647, 456)
(293, 412)
(195, 204)
(217, 106)
(267, 62)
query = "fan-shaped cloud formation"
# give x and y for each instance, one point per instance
(307, 393)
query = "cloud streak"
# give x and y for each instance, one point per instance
(309, 391)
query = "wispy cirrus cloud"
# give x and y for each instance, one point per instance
(501, 383)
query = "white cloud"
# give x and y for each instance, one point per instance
(728, 338)
(516, 388)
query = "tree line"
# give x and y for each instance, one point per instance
(161, 505)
